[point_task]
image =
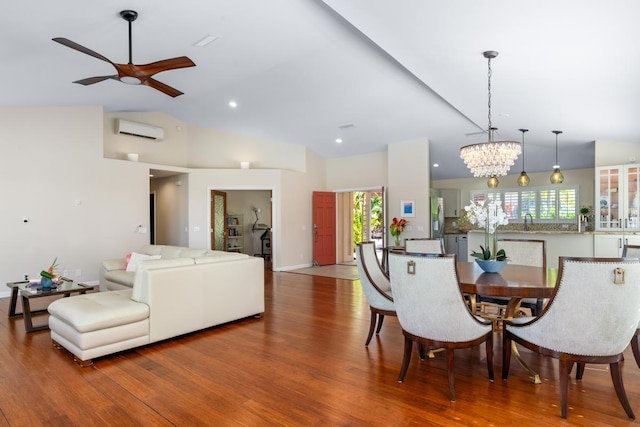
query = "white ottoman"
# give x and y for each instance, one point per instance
(97, 324)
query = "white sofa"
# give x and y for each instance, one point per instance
(113, 275)
(169, 297)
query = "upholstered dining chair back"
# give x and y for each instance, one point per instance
(376, 287)
(587, 302)
(375, 284)
(424, 246)
(631, 251)
(525, 252)
(428, 299)
(592, 316)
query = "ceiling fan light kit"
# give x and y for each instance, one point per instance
(131, 73)
(491, 158)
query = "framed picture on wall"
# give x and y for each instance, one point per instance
(407, 208)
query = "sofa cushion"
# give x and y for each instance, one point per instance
(170, 251)
(192, 252)
(139, 283)
(228, 256)
(99, 310)
(135, 259)
(151, 249)
(120, 277)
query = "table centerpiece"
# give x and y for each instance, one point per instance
(488, 216)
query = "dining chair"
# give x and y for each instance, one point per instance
(424, 246)
(375, 285)
(529, 252)
(432, 312)
(571, 315)
(633, 251)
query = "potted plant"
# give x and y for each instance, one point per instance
(396, 228)
(488, 216)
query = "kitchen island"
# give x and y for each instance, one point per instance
(559, 243)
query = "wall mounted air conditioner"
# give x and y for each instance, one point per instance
(138, 129)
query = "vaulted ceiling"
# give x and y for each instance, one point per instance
(371, 72)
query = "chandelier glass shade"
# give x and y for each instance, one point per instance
(491, 158)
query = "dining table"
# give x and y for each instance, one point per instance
(514, 282)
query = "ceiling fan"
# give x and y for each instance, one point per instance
(131, 73)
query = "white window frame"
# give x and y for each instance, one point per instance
(490, 194)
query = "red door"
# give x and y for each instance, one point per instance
(324, 228)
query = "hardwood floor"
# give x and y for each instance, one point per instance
(303, 364)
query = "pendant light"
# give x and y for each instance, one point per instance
(491, 158)
(523, 179)
(556, 177)
(493, 182)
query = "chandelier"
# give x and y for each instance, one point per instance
(491, 158)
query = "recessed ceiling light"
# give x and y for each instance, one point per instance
(436, 165)
(233, 104)
(206, 40)
(339, 140)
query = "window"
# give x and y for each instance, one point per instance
(544, 204)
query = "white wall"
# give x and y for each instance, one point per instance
(172, 150)
(211, 148)
(365, 172)
(609, 153)
(81, 207)
(409, 179)
(172, 213)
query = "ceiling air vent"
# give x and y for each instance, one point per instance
(138, 129)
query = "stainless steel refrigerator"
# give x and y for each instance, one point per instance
(437, 217)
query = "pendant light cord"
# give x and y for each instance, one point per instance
(489, 98)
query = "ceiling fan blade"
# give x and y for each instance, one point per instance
(162, 87)
(166, 64)
(80, 48)
(92, 80)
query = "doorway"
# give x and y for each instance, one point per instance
(218, 213)
(361, 218)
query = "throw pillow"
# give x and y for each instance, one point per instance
(127, 259)
(136, 258)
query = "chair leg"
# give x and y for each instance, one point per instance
(380, 320)
(636, 348)
(408, 348)
(372, 327)
(580, 371)
(506, 354)
(421, 351)
(450, 371)
(564, 385)
(616, 376)
(489, 350)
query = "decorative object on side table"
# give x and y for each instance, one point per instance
(48, 278)
(396, 228)
(488, 216)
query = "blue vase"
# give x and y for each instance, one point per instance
(490, 266)
(46, 283)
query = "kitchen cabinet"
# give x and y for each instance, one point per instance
(457, 244)
(611, 245)
(451, 199)
(616, 198)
